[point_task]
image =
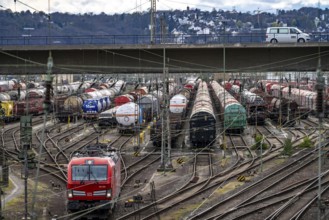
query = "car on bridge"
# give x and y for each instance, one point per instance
(286, 35)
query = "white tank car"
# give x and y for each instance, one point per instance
(127, 114)
(178, 104)
(114, 92)
(158, 94)
(63, 89)
(36, 93)
(14, 95)
(4, 96)
(105, 92)
(119, 85)
(91, 95)
(7, 85)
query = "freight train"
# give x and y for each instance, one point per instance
(96, 101)
(305, 99)
(255, 107)
(203, 119)
(232, 113)
(179, 106)
(131, 116)
(94, 180)
(13, 84)
(16, 103)
(178, 109)
(67, 104)
(283, 111)
(107, 118)
(88, 104)
(254, 104)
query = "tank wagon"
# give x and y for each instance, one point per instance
(17, 95)
(232, 113)
(107, 118)
(202, 119)
(94, 103)
(159, 95)
(235, 91)
(68, 108)
(123, 99)
(72, 106)
(129, 117)
(139, 92)
(177, 113)
(68, 102)
(33, 103)
(255, 107)
(280, 113)
(132, 96)
(94, 180)
(15, 103)
(305, 99)
(4, 96)
(13, 84)
(178, 108)
(150, 107)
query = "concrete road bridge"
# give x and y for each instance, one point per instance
(105, 59)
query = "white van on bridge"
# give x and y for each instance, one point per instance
(286, 35)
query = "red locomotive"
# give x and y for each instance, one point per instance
(94, 179)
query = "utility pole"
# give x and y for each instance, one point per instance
(320, 113)
(26, 155)
(152, 26)
(224, 71)
(166, 164)
(46, 108)
(289, 93)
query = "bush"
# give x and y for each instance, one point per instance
(287, 147)
(307, 143)
(258, 144)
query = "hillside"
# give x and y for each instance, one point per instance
(183, 22)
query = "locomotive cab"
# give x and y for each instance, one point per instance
(94, 183)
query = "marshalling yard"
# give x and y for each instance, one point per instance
(193, 147)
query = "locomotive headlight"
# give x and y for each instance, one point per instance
(109, 193)
(70, 194)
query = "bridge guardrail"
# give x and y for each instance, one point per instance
(144, 39)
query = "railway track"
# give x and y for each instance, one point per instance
(184, 192)
(60, 154)
(238, 169)
(240, 199)
(220, 216)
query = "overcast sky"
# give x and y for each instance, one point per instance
(130, 6)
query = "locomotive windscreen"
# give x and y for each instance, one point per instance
(89, 172)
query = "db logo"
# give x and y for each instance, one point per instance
(89, 194)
